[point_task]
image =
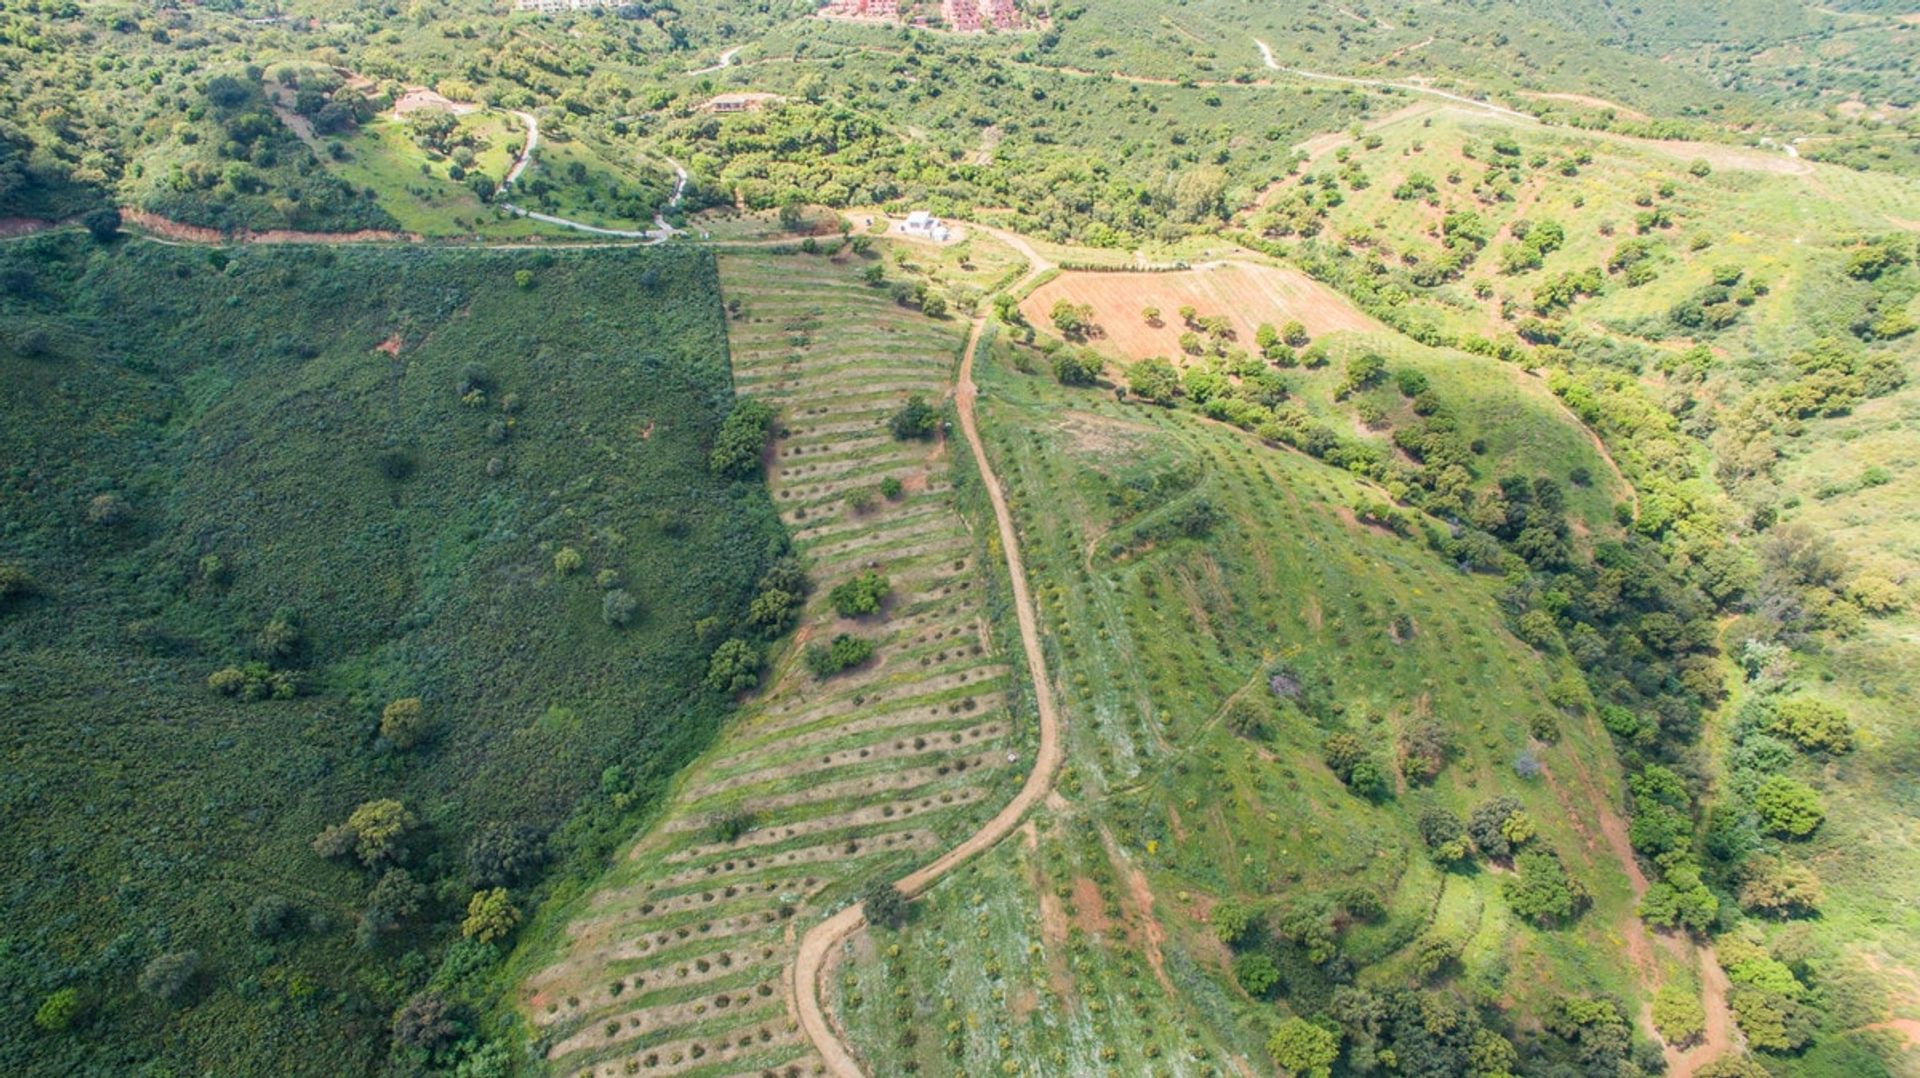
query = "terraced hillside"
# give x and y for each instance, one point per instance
(673, 964)
(1218, 614)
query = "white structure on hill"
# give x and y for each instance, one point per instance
(922, 223)
(555, 7)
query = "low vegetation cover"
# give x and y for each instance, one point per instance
(311, 693)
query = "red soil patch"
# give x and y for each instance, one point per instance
(390, 346)
(22, 226)
(185, 233)
(1137, 900)
(1246, 293)
(1089, 908)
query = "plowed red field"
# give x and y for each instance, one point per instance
(1247, 294)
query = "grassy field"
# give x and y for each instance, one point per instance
(356, 467)
(1087, 948)
(672, 963)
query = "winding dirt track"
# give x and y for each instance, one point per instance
(816, 947)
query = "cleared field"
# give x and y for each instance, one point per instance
(1246, 293)
(674, 963)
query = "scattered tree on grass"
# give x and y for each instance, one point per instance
(860, 596)
(102, 224)
(271, 917)
(14, 582)
(59, 1011)
(1077, 366)
(1355, 766)
(1074, 321)
(491, 915)
(403, 723)
(1363, 372)
(915, 420)
(1444, 834)
(397, 898)
(1491, 826)
(1598, 1029)
(618, 608)
(1814, 725)
(1234, 924)
(1541, 890)
(1294, 333)
(1154, 379)
(1787, 807)
(846, 651)
(108, 511)
(1425, 747)
(1256, 973)
(1776, 887)
(1678, 1015)
(375, 834)
(1732, 1065)
(884, 904)
(169, 976)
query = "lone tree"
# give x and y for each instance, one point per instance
(403, 723)
(376, 834)
(168, 977)
(425, 1022)
(491, 915)
(884, 904)
(1302, 1048)
(915, 419)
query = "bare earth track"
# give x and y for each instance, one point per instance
(817, 945)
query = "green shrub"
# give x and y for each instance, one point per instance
(58, 1012)
(1541, 890)
(884, 904)
(1787, 807)
(734, 667)
(1814, 725)
(403, 723)
(846, 651)
(1678, 1015)
(169, 977)
(860, 596)
(491, 915)
(618, 608)
(1304, 1049)
(741, 440)
(1256, 973)
(916, 419)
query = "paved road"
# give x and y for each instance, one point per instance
(817, 946)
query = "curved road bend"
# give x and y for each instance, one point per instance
(809, 964)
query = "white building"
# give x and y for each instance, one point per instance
(554, 7)
(922, 223)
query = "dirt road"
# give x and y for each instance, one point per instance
(817, 946)
(1266, 57)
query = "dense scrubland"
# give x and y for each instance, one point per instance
(425, 543)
